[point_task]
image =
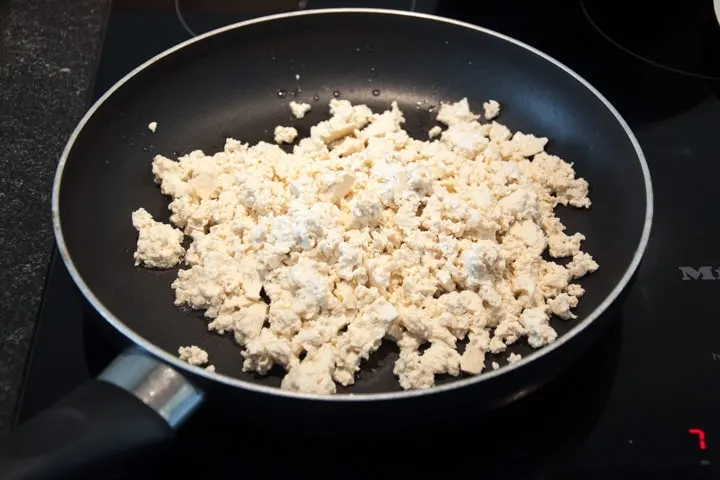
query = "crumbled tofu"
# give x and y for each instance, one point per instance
(285, 134)
(491, 109)
(195, 356)
(434, 132)
(513, 358)
(299, 110)
(159, 245)
(152, 126)
(456, 113)
(363, 234)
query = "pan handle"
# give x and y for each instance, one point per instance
(133, 407)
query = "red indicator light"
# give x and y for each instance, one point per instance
(701, 437)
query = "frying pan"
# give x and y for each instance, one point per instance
(232, 82)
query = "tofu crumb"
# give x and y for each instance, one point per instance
(434, 132)
(152, 126)
(514, 358)
(159, 245)
(285, 134)
(193, 355)
(299, 110)
(491, 109)
(364, 234)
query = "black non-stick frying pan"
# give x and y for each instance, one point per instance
(237, 82)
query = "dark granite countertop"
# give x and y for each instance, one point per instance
(48, 54)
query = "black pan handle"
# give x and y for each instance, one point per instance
(132, 408)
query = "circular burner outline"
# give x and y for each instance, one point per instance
(302, 5)
(645, 59)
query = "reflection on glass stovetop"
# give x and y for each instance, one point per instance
(624, 411)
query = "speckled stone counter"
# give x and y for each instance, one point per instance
(48, 54)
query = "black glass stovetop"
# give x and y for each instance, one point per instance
(643, 403)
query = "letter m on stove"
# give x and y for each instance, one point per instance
(701, 273)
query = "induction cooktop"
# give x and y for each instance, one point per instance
(642, 403)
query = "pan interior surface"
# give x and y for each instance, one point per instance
(238, 84)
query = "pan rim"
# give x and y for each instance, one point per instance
(157, 352)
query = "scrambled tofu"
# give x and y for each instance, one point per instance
(364, 234)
